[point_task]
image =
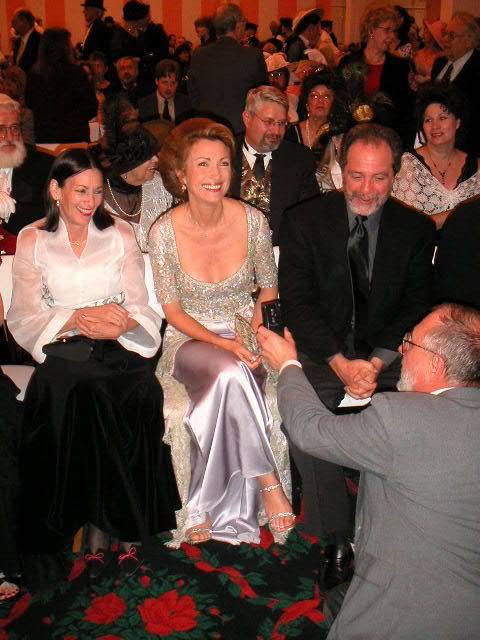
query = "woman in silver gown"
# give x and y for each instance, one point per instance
(209, 254)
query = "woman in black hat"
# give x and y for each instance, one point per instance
(133, 188)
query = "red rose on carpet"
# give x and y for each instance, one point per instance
(47, 620)
(145, 580)
(168, 613)
(105, 609)
(191, 551)
(77, 569)
(214, 611)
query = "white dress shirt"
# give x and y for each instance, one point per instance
(457, 66)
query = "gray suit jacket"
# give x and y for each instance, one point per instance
(417, 544)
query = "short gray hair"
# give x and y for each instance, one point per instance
(7, 103)
(470, 24)
(265, 93)
(227, 17)
(457, 341)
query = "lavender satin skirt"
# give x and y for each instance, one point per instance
(229, 425)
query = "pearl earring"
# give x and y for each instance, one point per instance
(57, 202)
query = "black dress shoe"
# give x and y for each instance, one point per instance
(336, 566)
(128, 562)
(96, 563)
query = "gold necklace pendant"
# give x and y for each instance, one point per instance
(129, 215)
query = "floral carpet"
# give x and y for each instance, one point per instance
(213, 590)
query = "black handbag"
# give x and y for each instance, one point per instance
(74, 348)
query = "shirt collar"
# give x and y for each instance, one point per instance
(27, 35)
(459, 63)
(250, 152)
(372, 221)
(439, 391)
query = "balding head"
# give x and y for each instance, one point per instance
(443, 350)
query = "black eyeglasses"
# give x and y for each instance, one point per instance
(407, 342)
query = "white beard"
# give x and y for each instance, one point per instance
(15, 159)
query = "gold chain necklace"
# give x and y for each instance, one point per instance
(442, 174)
(202, 229)
(129, 215)
(76, 244)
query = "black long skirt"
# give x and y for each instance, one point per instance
(10, 421)
(92, 450)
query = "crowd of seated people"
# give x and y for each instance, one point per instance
(206, 162)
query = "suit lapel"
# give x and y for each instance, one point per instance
(386, 241)
(21, 189)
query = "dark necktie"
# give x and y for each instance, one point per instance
(448, 73)
(259, 166)
(166, 113)
(358, 260)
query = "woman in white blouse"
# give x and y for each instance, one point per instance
(438, 176)
(92, 439)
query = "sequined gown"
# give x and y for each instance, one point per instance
(227, 418)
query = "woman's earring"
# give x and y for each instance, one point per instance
(57, 202)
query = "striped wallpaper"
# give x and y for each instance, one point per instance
(177, 16)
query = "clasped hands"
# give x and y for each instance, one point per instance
(359, 376)
(106, 322)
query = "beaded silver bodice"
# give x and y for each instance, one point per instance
(205, 301)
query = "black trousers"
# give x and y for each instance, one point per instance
(10, 421)
(327, 504)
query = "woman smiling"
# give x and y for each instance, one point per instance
(436, 177)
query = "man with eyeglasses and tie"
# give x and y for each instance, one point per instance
(23, 171)
(354, 275)
(461, 66)
(271, 173)
(417, 540)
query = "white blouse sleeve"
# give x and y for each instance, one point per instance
(32, 322)
(145, 338)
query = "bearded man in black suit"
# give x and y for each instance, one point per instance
(23, 171)
(271, 173)
(354, 275)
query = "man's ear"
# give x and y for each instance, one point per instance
(246, 117)
(437, 366)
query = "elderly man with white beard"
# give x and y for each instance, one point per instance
(23, 171)
(417, 533)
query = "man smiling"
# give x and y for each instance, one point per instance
(354, 276)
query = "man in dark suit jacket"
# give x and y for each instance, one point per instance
(222, 73)
(98, 36)
(23, 170)
(461, 67)
(25, 47)
(417, 532)
(165, 103)
(287, 169)
(457, 261)
(354, 276)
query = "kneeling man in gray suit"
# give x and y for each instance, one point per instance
(417, 543)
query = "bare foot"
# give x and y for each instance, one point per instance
(279, 510)
(199, 533)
